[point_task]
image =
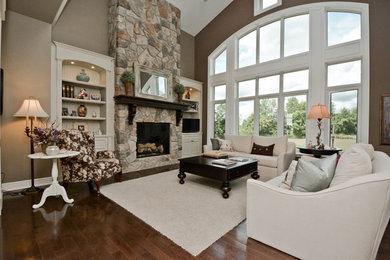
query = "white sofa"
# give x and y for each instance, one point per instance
(269, 166)
(346, 221)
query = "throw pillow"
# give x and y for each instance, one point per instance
(314, 176)
(263, 150)
(225, 145)
(214, 143)
(366, 147)
(280, 143)
(286, 183)
(353, 163)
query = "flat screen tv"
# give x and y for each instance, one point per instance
(191, 125)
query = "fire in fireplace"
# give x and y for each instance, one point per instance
(152, 139)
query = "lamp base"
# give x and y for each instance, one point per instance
(31, 191)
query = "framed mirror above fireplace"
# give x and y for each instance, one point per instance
(152, 83)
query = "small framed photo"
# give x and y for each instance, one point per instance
(385, 119)
(96, 97)
(81, 126)
(73, 113)
(65, 111)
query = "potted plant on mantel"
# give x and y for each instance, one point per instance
(179, 90)
(128, 80)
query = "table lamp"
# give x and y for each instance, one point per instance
(31, 109)
(318, 112)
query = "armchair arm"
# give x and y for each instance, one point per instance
(346, 221)
(105, 155)
(207, 148)
(284, 159)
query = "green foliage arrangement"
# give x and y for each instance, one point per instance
(179, 88)
(128, 76)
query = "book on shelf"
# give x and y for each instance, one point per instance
(224, 162)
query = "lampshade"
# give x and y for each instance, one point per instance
(31, 107)
(318, 112)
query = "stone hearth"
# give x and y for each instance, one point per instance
(144, 32)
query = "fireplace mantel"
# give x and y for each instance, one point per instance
(133, 102)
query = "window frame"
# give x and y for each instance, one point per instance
(258, 6)
(316, 60)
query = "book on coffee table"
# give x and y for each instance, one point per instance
(223, 162)
(238, 159)
(215, 154)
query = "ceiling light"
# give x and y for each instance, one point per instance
(72, 62)
(92, 67)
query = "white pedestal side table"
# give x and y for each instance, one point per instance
(55, 188)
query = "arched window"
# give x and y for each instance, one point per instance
(264, 79)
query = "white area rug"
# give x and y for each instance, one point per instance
(193, 215)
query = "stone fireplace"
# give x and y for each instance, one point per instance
(152, 139)
(144, 32)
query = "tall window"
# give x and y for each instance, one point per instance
(219, 111)
(220, 63)
(265, 5)
(290, 60)
(296, 35)
(247, 50)
(344, 83)
(246, 93)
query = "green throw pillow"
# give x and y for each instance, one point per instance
(314, 175)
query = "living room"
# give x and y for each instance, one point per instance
(296, 77)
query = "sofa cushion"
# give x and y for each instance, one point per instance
(277, 180)
(286, 182)
(366, 147)
(314, 176)
(240, 143)
(263, 150)
(268, 161)
(280, 143)
(353, 163)
(214, 143)
(225, 145)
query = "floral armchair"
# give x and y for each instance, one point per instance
(88, 166)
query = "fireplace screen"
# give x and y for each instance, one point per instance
(152, 139)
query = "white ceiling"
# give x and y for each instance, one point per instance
(196, 14)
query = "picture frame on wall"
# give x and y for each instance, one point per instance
(385, 119)
(81, 126)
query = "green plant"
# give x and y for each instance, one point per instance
(179, 88)
(128, 76)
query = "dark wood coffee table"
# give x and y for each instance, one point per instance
(203, 166)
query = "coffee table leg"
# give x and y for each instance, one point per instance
(181, 176)
(255, 175)
(225, 188)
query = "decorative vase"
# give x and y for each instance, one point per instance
(187, 94)
(52, 150)
(179, 97)
(82, 111)
(43, 148)
(129, 89)
(82, 76)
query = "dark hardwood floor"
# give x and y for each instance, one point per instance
(96, 228)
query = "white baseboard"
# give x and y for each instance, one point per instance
(20, 185)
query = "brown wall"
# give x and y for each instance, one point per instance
(187, 64)
(84, 24)
(26, 64)
(240, 13)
